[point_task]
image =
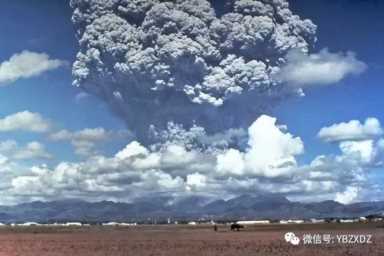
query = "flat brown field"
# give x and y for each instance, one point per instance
(184, 241)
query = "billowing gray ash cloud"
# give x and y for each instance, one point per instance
(158, 61)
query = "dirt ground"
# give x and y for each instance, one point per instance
(185, 241)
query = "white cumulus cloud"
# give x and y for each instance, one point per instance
(195, 181)
(86, 140)
(270, 152)
(267, 164)
(25, 121)
(347, 196)
(321, 68)
(352, 130)
(364, 151)
(25, 65)
(32, 150)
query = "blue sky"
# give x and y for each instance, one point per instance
(346, 25)
(48, 30)
(342, 26)
(45, 26)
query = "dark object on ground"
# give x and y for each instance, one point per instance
(215, 228)
(236, 227)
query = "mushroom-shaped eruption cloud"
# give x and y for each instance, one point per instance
(210, 63)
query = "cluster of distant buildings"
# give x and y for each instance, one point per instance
(117, 224)
(31, 224)
(66, 224)
(334, 220)
(370, 218)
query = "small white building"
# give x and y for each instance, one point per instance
(110, 224)
(56, 224)
(347, 221)
(296, 221)
(192, 223)
(253, 222)
(317, 220)
(127, 224)
(28, 224)
(283, 222)
(72, 224)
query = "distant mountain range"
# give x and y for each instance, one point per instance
(194, 207)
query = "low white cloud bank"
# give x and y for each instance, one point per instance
(25, 121)
(365, 151)
(347, 196)
(321, 68)
(352, 130)
(270, 151)
(85, 141)
(266, 164)
(32, 150)
(25, 65)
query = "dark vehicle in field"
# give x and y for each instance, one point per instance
(236, 227)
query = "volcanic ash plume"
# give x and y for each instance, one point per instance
(158, 61)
